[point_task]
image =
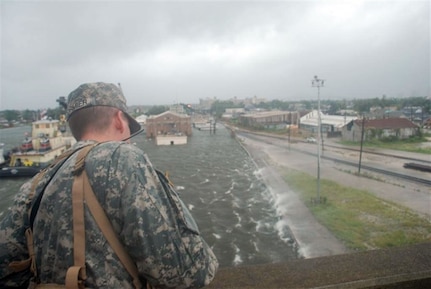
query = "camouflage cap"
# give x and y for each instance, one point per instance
(99, 94)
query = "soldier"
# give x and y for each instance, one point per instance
(152, 223)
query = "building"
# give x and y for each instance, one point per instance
(232, 113)
(330, 124)
(142, 119)
(168, 123)
(399, 128)
(177, 108)
(270, 119)
(427, 123)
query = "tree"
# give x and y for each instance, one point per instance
(334, 106)
(219, 107)
(11, 115)
(54, 113)
(157, 109)
(362, 105)
(28, 115)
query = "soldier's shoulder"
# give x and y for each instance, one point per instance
(116, 152)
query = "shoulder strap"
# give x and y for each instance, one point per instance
(107, 230)
(76, 274)
(56, 165)
(17, 266)
(82, 190)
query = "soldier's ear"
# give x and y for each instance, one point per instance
(120, 121)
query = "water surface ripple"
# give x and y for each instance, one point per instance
(220, 184)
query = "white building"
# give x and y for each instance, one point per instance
(329, 123)
(142, 119)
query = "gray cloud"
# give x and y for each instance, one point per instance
(163, 52)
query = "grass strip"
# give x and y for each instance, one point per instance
(409, 145)
(357, 217)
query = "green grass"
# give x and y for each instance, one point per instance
(409, 145)
(358, 218)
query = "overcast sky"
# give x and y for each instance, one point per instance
(164, 52)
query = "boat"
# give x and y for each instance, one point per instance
(36, 151)
(22, 171)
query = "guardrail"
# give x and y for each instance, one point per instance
(395, 268)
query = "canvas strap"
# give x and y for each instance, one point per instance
(108, 231)
(76, 274)
(82, 190)
(17, 266)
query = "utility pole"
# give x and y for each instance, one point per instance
(362, 142)
(316, 82)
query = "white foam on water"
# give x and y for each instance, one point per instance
(256, 248)
(235, 202)
(264, 227)
(230, 188)
(258, 172)
(217, 236)
(281, 204)
(283, 231)
(237, 259)
(191, 207)
(251, 202)
(237, 225)
(303, 251)
(250, 188)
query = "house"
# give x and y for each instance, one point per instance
(427, 123)
(168, 123)
(400, 128)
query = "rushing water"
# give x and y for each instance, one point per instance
(220, 184)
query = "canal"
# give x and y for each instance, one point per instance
(219, 182)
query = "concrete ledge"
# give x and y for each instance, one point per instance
(401, 267)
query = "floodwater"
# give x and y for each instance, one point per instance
(216, 178)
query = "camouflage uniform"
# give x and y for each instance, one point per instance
(154, 226)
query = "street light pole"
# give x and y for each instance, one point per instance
(316, 82)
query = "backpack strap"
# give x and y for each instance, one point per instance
(82, 190)
(76, 274)
(107, 230)
(35, 197)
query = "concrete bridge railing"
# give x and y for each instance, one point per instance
(402, 267)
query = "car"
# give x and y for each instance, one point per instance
(311, 139)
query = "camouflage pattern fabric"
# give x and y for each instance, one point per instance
(99, 94)
(154, 226)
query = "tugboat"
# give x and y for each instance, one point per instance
(38, 151)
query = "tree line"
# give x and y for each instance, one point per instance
(28, 116)
(361, 106)
(219, 107)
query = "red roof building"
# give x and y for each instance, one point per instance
(400, 128)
